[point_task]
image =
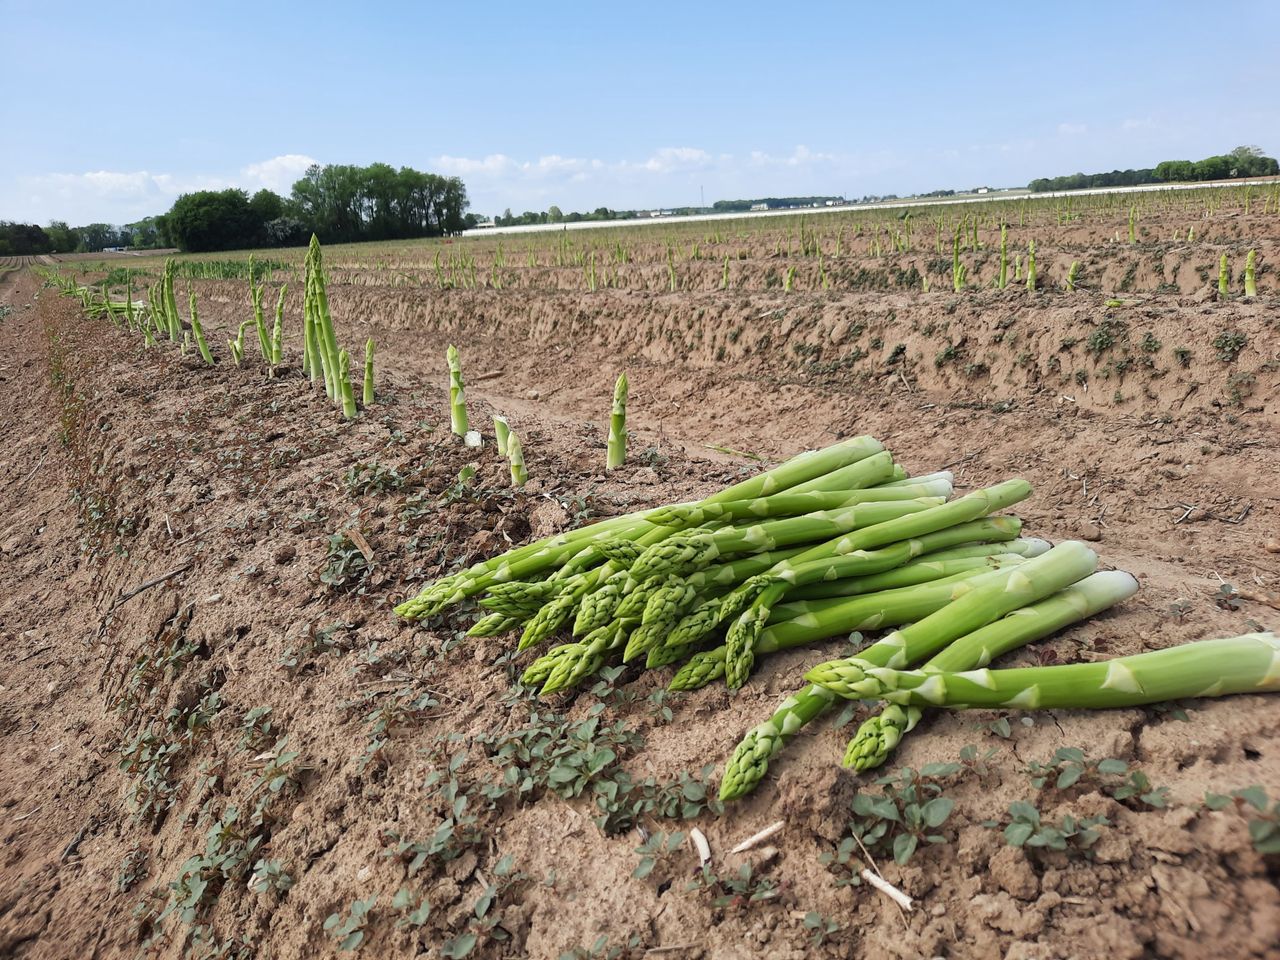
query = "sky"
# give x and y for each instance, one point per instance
(110, 111)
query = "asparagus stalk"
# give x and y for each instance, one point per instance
(172, 321)
(1064, 564)
(259, 322)
(808, 468)
(617, 447)
(325, 336)
(793, 505)
(367, 398)
(457, 398)
(879, 735)
(822, 493)
(345, 393)
(796, 624)
(1249, 663)
(683, 638)
(742, 634)
(277, 331)
(690, 551)
(515, 454)
(198, 330)
(128, 299)
(924, 570)
(492, 625)
(500, 432)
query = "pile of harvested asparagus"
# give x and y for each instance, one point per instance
(832, 542)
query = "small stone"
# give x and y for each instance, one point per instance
(1272, 546)
(285, 554)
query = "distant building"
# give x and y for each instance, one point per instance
(759, 206)
(982, 190)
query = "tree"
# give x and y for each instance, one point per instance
(62, 239)
(1213, 168)
(1248, 161)
(1175, 171)
(97, 236)
(347, 203)
(266, 205)
(213, 220)
(22, 240)
(554, 215)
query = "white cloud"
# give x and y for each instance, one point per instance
(1139, 123)
(801, 156)
(1072, 129)
(111, 196)
(277, 174)
(495, 163)
(676, 159)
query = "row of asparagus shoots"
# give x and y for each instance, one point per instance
(157, 317)
(508, 442)
(831, 542)
(322, 358)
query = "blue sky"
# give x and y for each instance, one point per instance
(113, 109)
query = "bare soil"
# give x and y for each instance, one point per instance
(165, 571)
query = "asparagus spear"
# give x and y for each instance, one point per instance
(923, 570)
(515, 456)
(1249, 663)
(742, 634)
(617, 445)
(797, 504)
(879, 735)
(458, 421)
(691, 551)
(861, 475)
(706, 617)
(1064, 564)
(795, 624)
(808, 468)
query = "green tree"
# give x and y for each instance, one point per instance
(23, 240)
(62, 239)
(213, 220)
(98, 236)
(1213, 168)
(266, 205)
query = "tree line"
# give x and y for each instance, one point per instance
(553, 214)
(773, 203)
(29, 239)
(340, 203)
(337, 202)
(1240, 163)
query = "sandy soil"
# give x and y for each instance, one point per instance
(133, 723)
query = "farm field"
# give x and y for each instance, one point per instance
(200, 663)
